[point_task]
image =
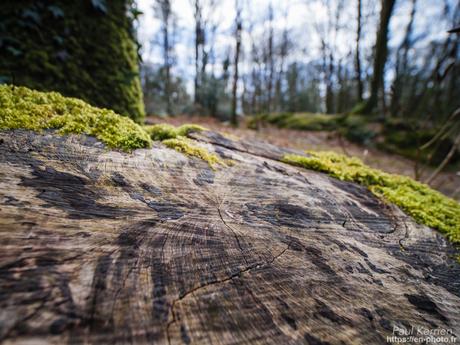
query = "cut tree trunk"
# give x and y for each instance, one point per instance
(153, 247)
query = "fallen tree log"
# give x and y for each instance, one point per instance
(106, 247)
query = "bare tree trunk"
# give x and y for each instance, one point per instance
(330, 106)
(238, 30)
(359, 81)
(168, 74)
(283, 53)
(270, 58)
(164, 13)
(402, 63)
(383, 98)
(253, 96)
(325, 73)
(198, 41)
(381, 50)
(166, 49)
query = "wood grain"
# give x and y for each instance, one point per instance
(153, 247)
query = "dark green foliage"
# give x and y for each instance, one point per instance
(354, 127)
(358, 129)
(301, 121)
(400, 136)
(406, 137)
(84, 49)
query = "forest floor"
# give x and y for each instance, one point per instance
(446, 182)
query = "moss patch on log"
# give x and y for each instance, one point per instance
(424, 204)
(189, 148)
(23, 108)
(165, 131)
(176, 138)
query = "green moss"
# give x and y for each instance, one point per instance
(166, 131)
(300, 121)
(425, 205)
(312, 122)
(83, 49)
(161, 131)
(359, 109)
(175, 138)
(357, 128)
(21, 107)
(186, 129)
(187, 147)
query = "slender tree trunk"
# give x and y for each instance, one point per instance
(253, 98)
(325, 72)
(381, 50)
(359, 81)
(164, 13)
(330, 106)
(236, 61)
(198, 34)
(270, 59)
(383, 98)
(279, 101)
(204, 63)
(167, 67)
(402, 64)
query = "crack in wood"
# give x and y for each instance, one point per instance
(234, 234)
(218, 281)
(406, 236)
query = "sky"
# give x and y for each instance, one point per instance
(300, 17)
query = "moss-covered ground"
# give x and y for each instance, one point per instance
(301, 121)
(394, 135)
(424, 204)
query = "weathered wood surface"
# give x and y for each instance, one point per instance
(102, 247)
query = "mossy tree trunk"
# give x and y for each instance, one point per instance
(84, 49)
